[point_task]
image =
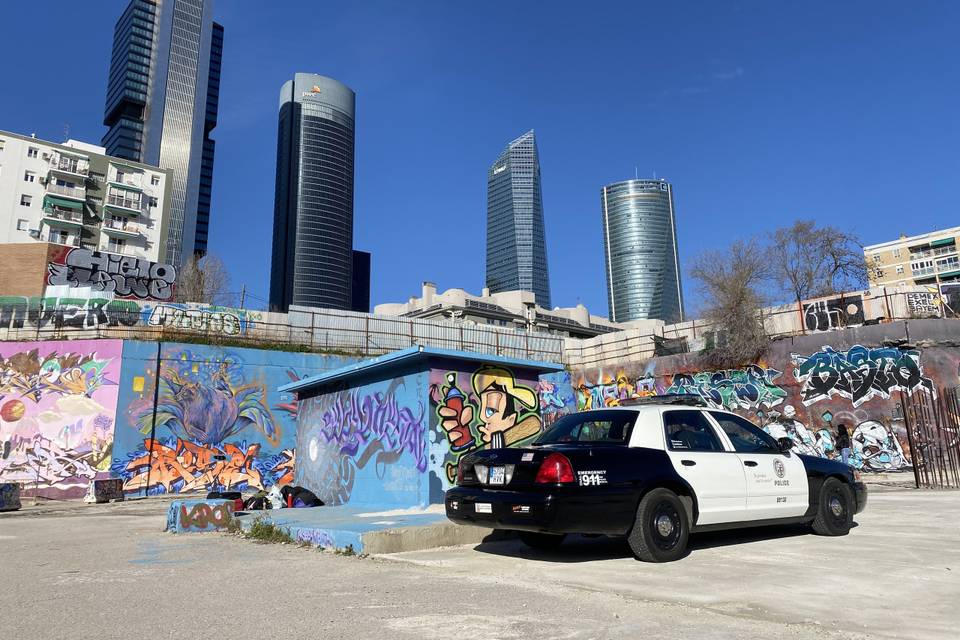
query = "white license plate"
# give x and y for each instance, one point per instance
(483, 507)
(498, 475)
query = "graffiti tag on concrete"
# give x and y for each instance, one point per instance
(749, 388)
(859, 374)
(124, 276)
(835, 313)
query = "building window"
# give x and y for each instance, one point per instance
(58, 236)
(899, 268)
(120, 175)
(879, 273)
(25, 200)
(876, 258)
(154, 180)
(116, 245)
(22, 225)
(2, 142)
(97, 177)
(896, 253)
(29, 176)
(153, 202)
(32, 152)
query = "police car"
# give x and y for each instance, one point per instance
(654, 471)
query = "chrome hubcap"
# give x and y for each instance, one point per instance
(836, 507)
(664, 526)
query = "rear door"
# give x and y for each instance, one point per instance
(776, 483)
(698, 456)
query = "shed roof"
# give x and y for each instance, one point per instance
(409, 355)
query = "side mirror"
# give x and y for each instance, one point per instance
(785, 444)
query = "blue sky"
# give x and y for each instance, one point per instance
(758, 112)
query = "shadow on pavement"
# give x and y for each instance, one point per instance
(578, 548)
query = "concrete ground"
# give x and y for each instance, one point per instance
(108, 571)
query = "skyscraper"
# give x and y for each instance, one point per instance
(162, 101)
(516, 243)
(640, 251)
(313, 209)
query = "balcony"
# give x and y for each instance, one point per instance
(70, 167)
(120, 229)
(919, 273)
(63, 217)
(124, 205)
(944, 251)
(67, 192)
(128, 181)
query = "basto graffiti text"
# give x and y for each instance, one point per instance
(859, 374)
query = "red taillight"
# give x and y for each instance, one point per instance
(555, 469)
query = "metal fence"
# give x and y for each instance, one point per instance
(933, 431)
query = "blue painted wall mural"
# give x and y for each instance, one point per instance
(366, 444)
(219, 421)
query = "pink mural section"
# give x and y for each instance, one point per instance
(58, 403)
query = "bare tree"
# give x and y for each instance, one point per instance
(808, 261)
(203, 280)
(731, 283)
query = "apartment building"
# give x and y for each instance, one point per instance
(929, 258)
(74, 194)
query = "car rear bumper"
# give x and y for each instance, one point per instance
(548, 512)
(860, 495)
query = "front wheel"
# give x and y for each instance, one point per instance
(541, 541)
(661, 529)
(834, 515)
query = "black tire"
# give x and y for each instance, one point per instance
(542, 541)
(835, 510)
(662, 528)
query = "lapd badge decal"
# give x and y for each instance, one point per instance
(778, 468)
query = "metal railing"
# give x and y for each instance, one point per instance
(73, 192)
(70, 167)
(129, 227)
(127, 203)
(67, 215)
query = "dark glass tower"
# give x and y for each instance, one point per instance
(162, 101)
(640, 251)
(313, 211)
(516, 241)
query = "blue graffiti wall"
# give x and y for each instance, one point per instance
(219, 421)
(366, 443)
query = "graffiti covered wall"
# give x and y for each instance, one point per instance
(220, 423)
(122, 276)
(477, 407)
(58, 403)
(804, 389)
(366, 444)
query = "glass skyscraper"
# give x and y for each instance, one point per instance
(313, 210)
(162, 101)
(516, 242)
(640, 251)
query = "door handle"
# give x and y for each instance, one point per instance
(750, 463)
(687, 463)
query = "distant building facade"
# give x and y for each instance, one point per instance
(640, 251)
(516, 240)
(925, 259)
(312, 263)
(73, 194)
(515, 309)
(360, 293)
(162, 102)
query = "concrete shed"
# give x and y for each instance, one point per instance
(389, 431)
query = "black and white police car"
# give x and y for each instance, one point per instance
(654, 471)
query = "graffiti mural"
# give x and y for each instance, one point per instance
(923, 304)
(836, 313)
(220, 424)
(749, 388)
(195, 516)
(123, 276)
(609, 390)
(488, 408)
(556, 397)
(375, 435)
(859, 373)
(61, 312)
(58, 404)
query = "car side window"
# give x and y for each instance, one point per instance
(689, 430)
(745, 437)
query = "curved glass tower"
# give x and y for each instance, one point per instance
(516, 242)
(640, 251)
(313, 210)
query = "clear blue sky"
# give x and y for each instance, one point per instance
(758, 112)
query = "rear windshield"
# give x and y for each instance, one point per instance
(591, 427)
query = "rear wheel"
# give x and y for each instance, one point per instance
(661, 529)
(542, 541)
(834, 513)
